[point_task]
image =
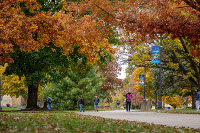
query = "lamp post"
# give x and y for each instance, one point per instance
(160, 85)
(0, 95)
(135, 100)
(144, 80)
(0, 88)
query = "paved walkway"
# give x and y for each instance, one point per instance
(169, 119)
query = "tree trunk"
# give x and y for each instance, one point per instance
(32, 97)
(193, 98)
(45, 105)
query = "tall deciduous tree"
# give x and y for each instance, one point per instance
(26, 26)
(34, 66)
(146, 19)
(13, 85)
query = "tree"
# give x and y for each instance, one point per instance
(110, 73)
(143, 20)
(174, 101)
(12, 85)
(147, 19)
(180, 68)
(26, 27)
(34, 66)
(65, 92)
(148, 81)
(32, 29)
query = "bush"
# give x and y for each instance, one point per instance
(65, 93)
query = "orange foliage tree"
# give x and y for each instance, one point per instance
(24, 24)
(64, 29)
(88, 23)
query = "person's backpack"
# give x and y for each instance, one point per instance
(49, 100)
(82, 101)
(198, 96)
(128, 97)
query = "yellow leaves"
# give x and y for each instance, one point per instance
(174, 101)
(148, 81)
(64, 30)
(33, 28)
(12, 85)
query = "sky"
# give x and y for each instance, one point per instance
(123, 72)
(123, 55)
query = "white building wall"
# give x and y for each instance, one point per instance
(6, 100)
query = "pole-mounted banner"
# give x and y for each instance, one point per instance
(155, 54)
(141, 80)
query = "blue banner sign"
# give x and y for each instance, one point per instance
(155, 54)
(141, 80)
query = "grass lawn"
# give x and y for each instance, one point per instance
(70, 122)
(10, 109)
(179, 111)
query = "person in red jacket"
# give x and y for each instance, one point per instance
(128, 101)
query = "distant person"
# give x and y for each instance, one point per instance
(118, 104)
(128, 101)
(49, 102)
(184, 104)
(81, 102)
(96, 102)
(197, 99)
(125, 103)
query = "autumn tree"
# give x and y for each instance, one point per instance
(180, 68)
(110, 73)
(147, 19)
(34, 66)
(28, 27)
(13, 85)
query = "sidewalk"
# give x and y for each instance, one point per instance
(169, 119)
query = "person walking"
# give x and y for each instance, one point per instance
(81, 103)
(96, 102)
(49, 102)
(197, 99)
(118, 104)
(128, 101)
(125, 103)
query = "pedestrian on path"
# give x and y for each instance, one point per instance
(49, 102)
(128, 101)
(197, 99)
(96, 102)
(125, 103)
(81, 102)
(118, 104)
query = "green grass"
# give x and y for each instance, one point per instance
(179, 111)
(70, 122)
(10, 109)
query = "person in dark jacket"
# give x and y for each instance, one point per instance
(197, 99)
(118, 104)
(49, 102)
(96, 102)
(81, 102)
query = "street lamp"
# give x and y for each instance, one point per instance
(0, 95)
(0, 89)
(144, 80)
(160, 85)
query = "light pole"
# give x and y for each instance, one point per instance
(0, 95)
(135, 100)
(160, 85)
(144, 80)
(0, 85)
